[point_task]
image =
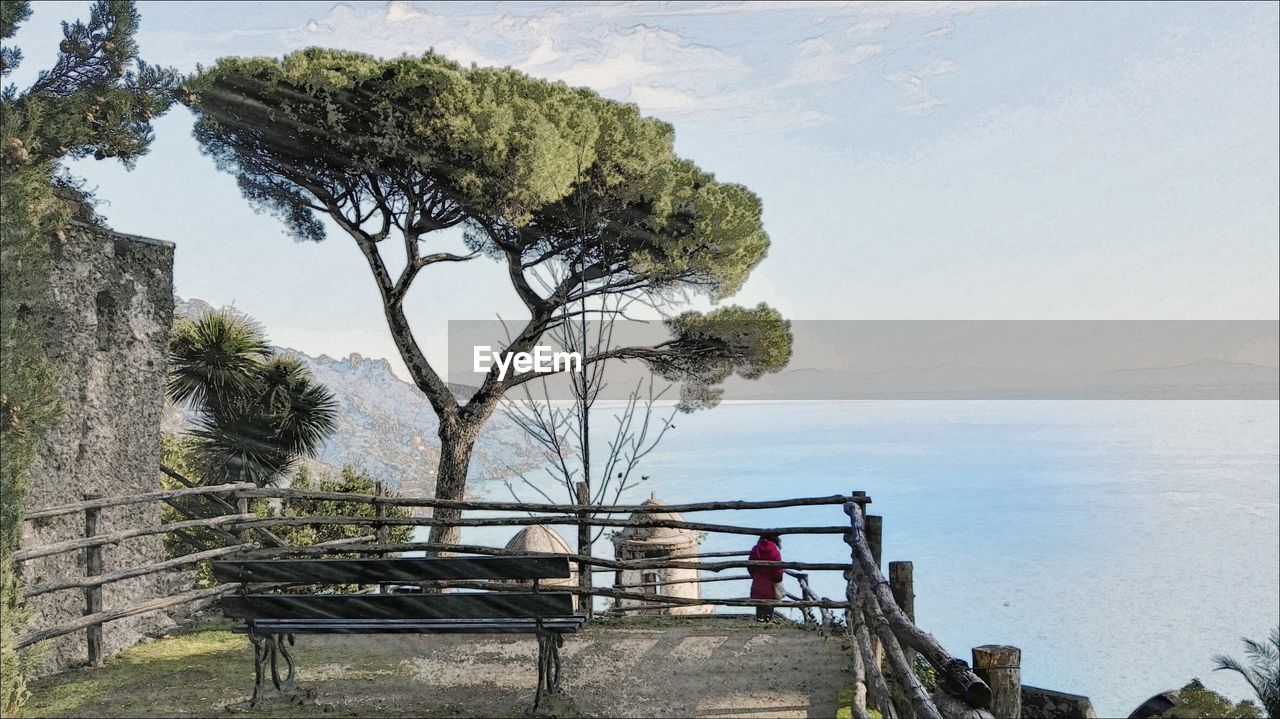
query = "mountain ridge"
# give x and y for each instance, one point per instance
(386, 427)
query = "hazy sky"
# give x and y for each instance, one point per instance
(916, 161)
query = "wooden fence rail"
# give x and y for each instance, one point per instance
(97, 540)
(219, 502)
(879, 613)
(100, 618)
(355, 546)
(101, 579)
(878, 616)
(592, 509)
(566, 520)
(103, 502)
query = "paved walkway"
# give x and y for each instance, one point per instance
(719, 667)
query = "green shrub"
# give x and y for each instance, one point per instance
(1197, 702)
(350, 482)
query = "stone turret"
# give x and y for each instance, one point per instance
(639, 543)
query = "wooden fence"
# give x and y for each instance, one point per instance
(899, 670)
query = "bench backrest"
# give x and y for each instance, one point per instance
(390, 571)
(489, 605)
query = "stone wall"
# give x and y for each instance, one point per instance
(113, 300)
(1040, 703)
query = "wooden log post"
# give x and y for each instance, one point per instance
(901, 584)
(1000, 667)
(875, 536)
(858, 692)
(242, 507)
(582, 494)
(911, 688)
(876, 689)
(381, 532)
(874, 540)
(951, 707)
(93, 594)
(954, 671)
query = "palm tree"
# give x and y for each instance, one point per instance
(257, 413)
(1263, 672)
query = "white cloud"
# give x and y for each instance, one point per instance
(918, 100)
(823, 61)
(399, 11)
(627, 51)
(944, 30)
(609, 59)
(939, 66)
(603, 73)
(659, 99)
(868, 27)
(544, 53)
(923, 106)
(872, 8)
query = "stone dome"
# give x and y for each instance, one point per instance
(656, 535)
(539, 538)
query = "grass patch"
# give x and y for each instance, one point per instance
(209, 671)
(189, 670)
(844, 710)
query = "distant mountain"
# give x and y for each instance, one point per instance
(386, 427)
(1202, 379)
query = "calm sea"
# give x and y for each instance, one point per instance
(1120, 544)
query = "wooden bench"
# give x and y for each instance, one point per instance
(271, 619)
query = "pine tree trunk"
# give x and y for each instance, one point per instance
(457, 440)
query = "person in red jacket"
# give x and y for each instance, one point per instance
(766, 581)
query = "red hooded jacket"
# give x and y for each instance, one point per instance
(763, 579)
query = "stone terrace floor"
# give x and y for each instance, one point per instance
(653, 667)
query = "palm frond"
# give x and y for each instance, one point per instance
(1263, 673)
(257, 413)
(212, 359)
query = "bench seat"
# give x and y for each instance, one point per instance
(517, 606)
(560, 625)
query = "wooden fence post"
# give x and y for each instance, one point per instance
(93, 595)
(1000, 667)
(900, 583)
(382, 533)
(875, 535)
(873, 541)
(242, 507)
(586, 602)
